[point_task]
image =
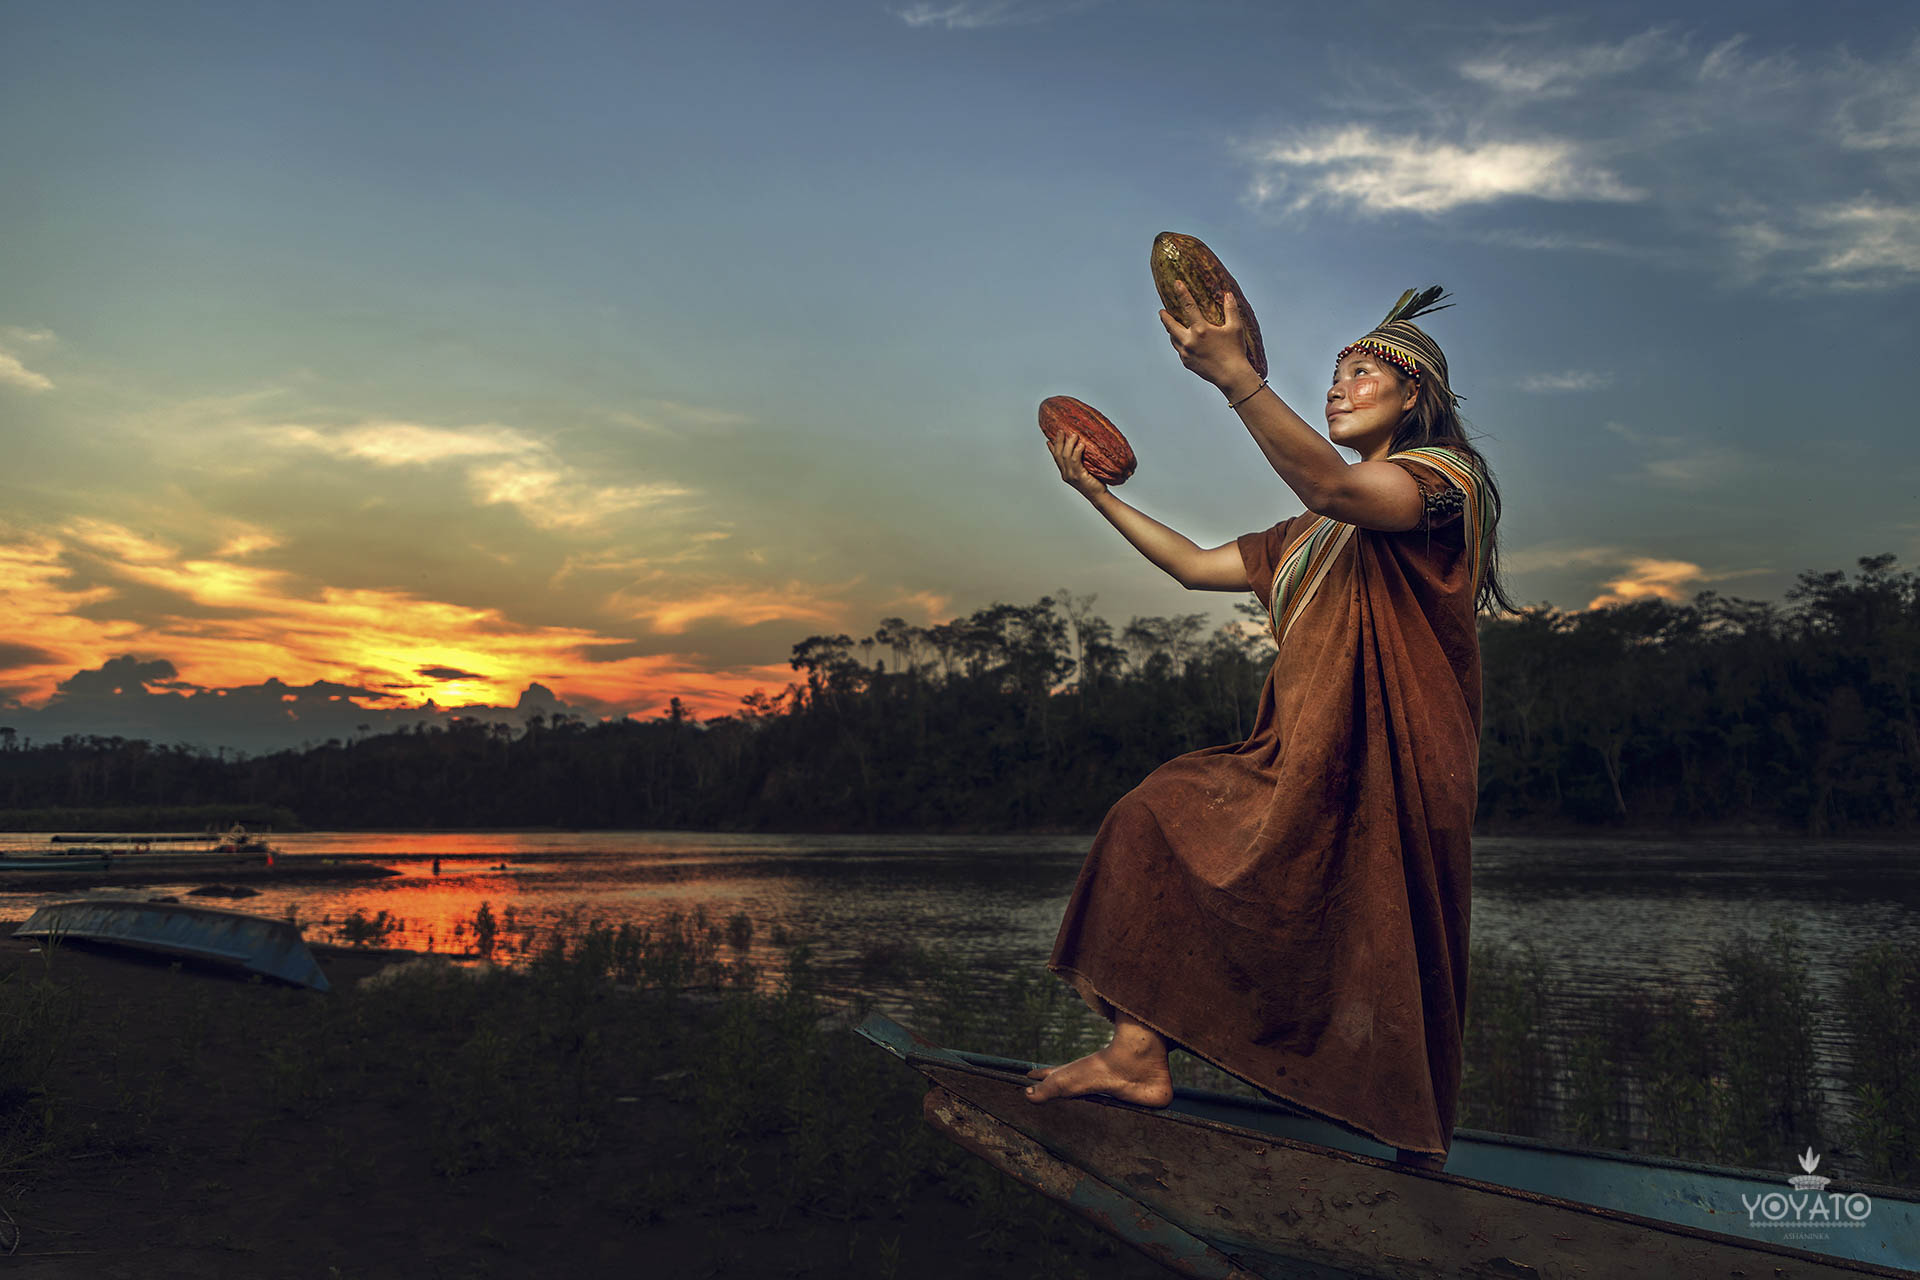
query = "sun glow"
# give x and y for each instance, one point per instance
(223, 623)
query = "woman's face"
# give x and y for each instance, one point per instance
(1366, 401)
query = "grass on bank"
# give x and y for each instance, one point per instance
(764, 1114)
(1725, 1075)
(773, 1112)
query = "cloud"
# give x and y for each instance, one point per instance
(93, 595)
(1562, 72)
(969, 15)
(1880, 111)
(24, 655)
(401, 444)
(448, 673)
(1373, 172)
(504, 466)
(125, 674)
(246, 543)
(674, 416)
(1648, 578)
(550, 499)
(1557, 241)
(1685, 464)
(1570, 380)
(1634, 576)
(740, 604)
(1865, 243)
(933, 604)
(131, 697)
(13, 373)
(1820, 147)
(1530, 559)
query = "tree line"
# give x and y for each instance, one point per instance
(1797, 717)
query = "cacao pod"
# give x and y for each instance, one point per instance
(1177, 258)
(1107, 456)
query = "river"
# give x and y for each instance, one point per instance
(1601, 912)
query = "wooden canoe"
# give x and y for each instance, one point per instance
(257, 944)
(1219, 1186)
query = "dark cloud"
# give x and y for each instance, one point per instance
(125, 675)
(131, 698)
(23, 655)
(447, 673)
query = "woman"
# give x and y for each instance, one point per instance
(1294, 908)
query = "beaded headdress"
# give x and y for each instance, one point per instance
(1405, 345)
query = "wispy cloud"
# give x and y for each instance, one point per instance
(402, 444)
(1680, 462)
(1865, 243)
(672, 610)
(16, 374)
(1562, 72)
(1531, 559)
(671, 416)
(1368, 171)
(1569, 380)
(503, 465)
(969, 15)
(551, 498)
(1666, 121)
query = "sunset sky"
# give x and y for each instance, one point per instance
(362, 354)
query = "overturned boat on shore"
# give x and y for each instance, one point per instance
(1229, 1188)
(256, 944)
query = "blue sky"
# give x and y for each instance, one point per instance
(619, 347)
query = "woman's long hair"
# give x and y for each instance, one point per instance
(1434, 420)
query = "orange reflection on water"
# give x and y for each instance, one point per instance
(533, 901)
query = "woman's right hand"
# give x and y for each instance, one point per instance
(1066, 449)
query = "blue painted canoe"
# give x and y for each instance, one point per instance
(1221, 1186)
(258, 944)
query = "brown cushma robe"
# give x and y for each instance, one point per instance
(1294, 908)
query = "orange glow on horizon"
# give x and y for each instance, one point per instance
(241, 624)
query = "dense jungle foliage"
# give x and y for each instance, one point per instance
(1798, 717)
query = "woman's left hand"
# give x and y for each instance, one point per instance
(1217, 352)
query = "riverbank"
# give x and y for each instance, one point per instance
(435, 1119)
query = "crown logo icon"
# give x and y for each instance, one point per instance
(1809, 1181)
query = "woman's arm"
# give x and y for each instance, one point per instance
(1192, 566)
(1372, 495)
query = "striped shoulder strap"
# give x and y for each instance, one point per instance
(1301, 571)
(1303, 567)
(1478, 515)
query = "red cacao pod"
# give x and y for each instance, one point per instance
(1178, 258)
(1107, 456)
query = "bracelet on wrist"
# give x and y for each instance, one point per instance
(1235, 404)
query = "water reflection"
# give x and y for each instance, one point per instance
(1601, 912)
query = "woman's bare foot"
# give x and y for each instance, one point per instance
(1133, 1068)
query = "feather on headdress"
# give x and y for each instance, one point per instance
(1405, 344)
